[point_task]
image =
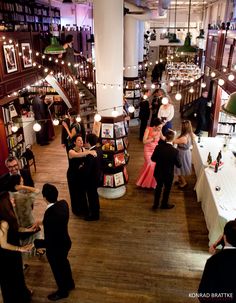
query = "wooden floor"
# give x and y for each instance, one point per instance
(132, 255)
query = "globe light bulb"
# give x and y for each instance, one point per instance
(153, 86)
(191, 90)
(165, 100)
(221, 82)
(78, 119)
(97, 117)
(213, 74)
(178, 97)
(14, 128)
(114, 113)
(172, 83)
(231, 77)
(36, 127)
(131, 109)
(55, 122)
(203, 84)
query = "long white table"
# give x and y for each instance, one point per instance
(218, 206)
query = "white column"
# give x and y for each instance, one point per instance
(131, 40)
(108, 36)
(141, 41)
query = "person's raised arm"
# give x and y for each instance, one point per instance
(75, 154)
(145, 137)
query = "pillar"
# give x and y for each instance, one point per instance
(108, 36)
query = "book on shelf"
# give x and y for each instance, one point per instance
(108, 145)
(119, 179)
(107, 130)
(119, 144)
(119, 129)
(129, 94)
(119, 159)
(108, 180)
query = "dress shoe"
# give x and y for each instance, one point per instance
(167, 206)
(154, 207)
(71, 286)
(91, 218)
(55, 296)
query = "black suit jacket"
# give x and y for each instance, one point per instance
(25, 174)
(93, 167)
(55, 223)
(166, 157)
(219, 275)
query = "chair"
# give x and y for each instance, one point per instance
(29, 156)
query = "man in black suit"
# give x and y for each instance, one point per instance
(12, 163)
(219, 275)
(201, 108)
(57, 241)
(93, 175)
(166, 157)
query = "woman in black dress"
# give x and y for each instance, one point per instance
(76, 177)
(13, 287)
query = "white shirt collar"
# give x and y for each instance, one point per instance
(49, 205)
(171, 143)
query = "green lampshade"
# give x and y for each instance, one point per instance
(230, 107)
(174, 39)
(187, 48)
(54, 48)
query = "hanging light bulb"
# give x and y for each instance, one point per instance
(178, 97)
(131, 109)
(231, 77)
(224, 70)
(203, 85)
(191, 90)
(55, 122)
(213, 74)
(172, 84)
(191, 80)
(36, 127)
(145, 86)
(145, 97)
(221, 82)
(114, 113)
(97, 117)
(78, 119)
(165, 100)
(14, 128)
(153, 86)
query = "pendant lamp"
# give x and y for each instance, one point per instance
(187, 48)
(230, 107)
(54, 48)
(173, 38)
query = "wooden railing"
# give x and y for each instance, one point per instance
(68, 80)
(187, 96)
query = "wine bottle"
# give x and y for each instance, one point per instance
(209, 158)
(216, 167)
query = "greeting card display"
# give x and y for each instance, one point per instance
(119, 179)
(119, 129)
(119, 159)
(129, 94)
(119, 144)
(107, 160)
(108, 145)
(108, 180)
(107, 130)
(126, 142)
(96, 128)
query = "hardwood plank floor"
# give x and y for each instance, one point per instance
(131, 255)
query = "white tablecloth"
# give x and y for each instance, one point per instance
(218, 206)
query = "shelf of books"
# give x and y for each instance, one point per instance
(132, 93)
(15, 139)
(113, 133)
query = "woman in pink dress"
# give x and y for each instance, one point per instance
(150, 139)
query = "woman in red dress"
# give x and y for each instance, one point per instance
(150, 139)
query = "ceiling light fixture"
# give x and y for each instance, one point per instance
(173, 38)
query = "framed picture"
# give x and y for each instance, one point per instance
(107, 130)
(129, 94)
(108, 145)
(213, 50)
(119, 159)
(119, 144)
(119, 179)
(10, 58)
(26, 55)
(225, 59)
(108, 180)
(119, 129)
